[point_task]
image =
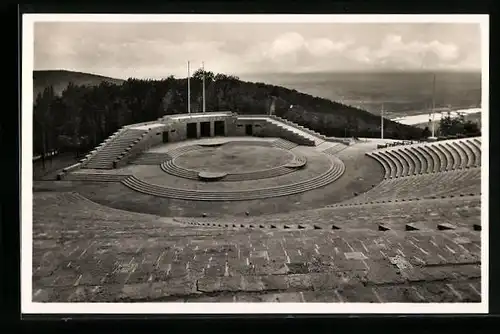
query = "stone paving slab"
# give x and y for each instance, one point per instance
(138, 257)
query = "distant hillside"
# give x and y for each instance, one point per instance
(84, 116)
(59, 80)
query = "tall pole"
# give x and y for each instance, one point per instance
(382, 122)
(189, 90)
(203, 67)
(433, 102)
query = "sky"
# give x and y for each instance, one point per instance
(156, 50)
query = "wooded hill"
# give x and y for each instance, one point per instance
(60, 79)
(88, 111)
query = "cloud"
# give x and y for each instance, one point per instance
(156, 50)
(362, 54)
(284, 45)
(292, 50)
(323, 46)
(414, 54)
(293, 42)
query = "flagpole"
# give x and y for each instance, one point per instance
(433, 101)
(189, 91)
(203, 67)
(382, 122)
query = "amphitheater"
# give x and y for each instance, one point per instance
(220, 207)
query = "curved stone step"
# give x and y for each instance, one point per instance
(330, 176)
(389, 162)
(418, 161)
(405, 163)
(413, 162)
(424, 186)
(426, 161)
(462, 153)
(298, 162)
(450, 161)
(476, 144)
(436, 159)
(442, 158)
(471, 157)
(171, 168)
(457, 159)
(397, 163)
(385, 165)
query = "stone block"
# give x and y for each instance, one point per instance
(411, 227)
(446, 226)
(355, 256)
(382, 227)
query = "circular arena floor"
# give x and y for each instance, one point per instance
(234, 158)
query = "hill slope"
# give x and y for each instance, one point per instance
(85, 115)
(59, 80)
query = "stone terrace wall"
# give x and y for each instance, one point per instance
(177, 127)
(263, 128)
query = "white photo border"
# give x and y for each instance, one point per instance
(29, 307)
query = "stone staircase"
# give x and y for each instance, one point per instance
(290, 130)
(101, 145)
(319, 137)
(297, 129)
(118, 144)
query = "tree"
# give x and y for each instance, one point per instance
(457, 126)
(209, 76)
(43, 121)
(472, 128)
(426, 133)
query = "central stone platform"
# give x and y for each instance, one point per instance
(245, 170)
(207, 176)
(234, 158)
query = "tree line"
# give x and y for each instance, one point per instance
(81, 117)
(450, 127)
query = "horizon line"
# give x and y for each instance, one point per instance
(374, 71)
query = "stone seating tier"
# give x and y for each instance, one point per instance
(453, 183)
(403, 161)
(428, 215)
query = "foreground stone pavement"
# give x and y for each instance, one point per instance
(86, 252)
